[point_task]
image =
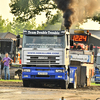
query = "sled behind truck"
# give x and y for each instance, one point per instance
(83, 60)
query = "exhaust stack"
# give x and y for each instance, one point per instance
(67, 29)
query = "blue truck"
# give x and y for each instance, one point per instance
(45, 60)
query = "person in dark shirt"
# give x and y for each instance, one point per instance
(77, 47)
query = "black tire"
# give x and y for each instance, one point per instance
(70, 86)
(64, 85)
(25, 83)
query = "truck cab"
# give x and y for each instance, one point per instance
(45, 57)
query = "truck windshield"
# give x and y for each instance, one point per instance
(98, 60)
(44, 41)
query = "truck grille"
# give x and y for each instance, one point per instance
(33, 59)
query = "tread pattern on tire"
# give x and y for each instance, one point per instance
(25, 83)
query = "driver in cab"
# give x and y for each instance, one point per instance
(34, 40)
(58, 41)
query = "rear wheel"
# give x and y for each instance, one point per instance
(25, 83)
(70, 86)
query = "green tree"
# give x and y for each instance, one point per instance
(54, 20)
(18, 26)
(41, 27)
(7, 26)
(2, 25)
(31, 24)
(97, 17)
(28, 9)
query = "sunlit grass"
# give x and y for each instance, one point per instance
(93, 84)
(11, 80)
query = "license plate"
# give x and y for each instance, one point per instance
(40, 73)
(42, 57)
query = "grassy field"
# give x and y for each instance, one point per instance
(93, 84)
(11, 80)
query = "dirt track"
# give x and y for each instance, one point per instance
(16, 91)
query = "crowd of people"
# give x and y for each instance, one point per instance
(5, 65)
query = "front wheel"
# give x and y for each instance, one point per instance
(64, 85)
(25, 83)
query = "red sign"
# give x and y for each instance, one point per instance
(79, 38)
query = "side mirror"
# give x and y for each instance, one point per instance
(91, 47)
(18, 40)
(71, 43)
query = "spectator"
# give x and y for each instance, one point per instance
(20, 50)
(6, 61)
(77, 47)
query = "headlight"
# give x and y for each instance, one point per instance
(97, 77)
(25, 75)
(26, 70)
(59, 70)
(59, 76)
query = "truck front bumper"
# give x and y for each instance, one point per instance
(37, 73)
